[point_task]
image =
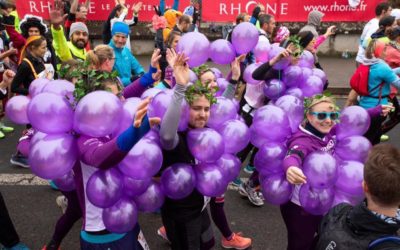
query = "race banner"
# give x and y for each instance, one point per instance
(98, 9)
(290, 10)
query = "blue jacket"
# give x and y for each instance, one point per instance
(126, 64)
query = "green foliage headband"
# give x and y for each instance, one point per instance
(198, 89)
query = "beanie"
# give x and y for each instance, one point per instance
(120, 27)
(78, 26)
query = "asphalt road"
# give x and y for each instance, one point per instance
(34, 211)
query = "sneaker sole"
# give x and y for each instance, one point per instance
(229, 247)
(248, 171)
(163, 236)
(18, 164)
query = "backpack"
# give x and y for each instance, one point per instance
(359, 82)
(385, 243)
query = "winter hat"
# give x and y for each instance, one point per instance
(30, 21)
(121, 28)
(78, 26)
(281, 34)
(315, 17)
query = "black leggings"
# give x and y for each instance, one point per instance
(374, 132)
(8, 235)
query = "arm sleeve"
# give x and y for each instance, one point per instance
(254, 15)
(375, 112)
(320, 40)
(19, 78)
(147, 79)
(262, 71)
(169, 125)
(60, 44)
(175, 6)
(296, 154)
(132, 135)
(162, 7)
(230, 90)
(17, 39)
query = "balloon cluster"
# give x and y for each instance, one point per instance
(197, 47)
(331, 179)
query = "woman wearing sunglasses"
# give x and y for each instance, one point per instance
(316, 133)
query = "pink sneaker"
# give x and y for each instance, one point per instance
(236, 242)
(162, 233)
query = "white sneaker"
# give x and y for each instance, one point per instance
(62, 202)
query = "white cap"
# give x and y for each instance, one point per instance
(396, 13)
(354, 3)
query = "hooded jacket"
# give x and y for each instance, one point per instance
(347, 227)
(126, 64)
(314, 21)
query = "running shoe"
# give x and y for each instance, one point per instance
(162, 233)
(19, 246)
(62, 203)
(252, 194)
(6, 129)
(53, 185)
(19, 160)
(2, 135)
(249, 169)
(236, 182)
(236, 242)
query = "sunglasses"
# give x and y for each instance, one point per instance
(324, 115)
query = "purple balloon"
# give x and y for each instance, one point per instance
(261, 50)
(98, 114)
(37, 136)
(121, 217)
(63, 88)
(178, 181)
(350, 177)
(143, 160)
(320, 170)
(50, 113)
(244, 37)
(36, 87)
(196, 46)
(255, 139)
(353, 148)
(217, 73)
(341, 197)
(53, 156)
(354, 120)
(160, 103)
(247, 75)
(283, 63)
(236, 135)
(276, 189)
(222, 84)
(151, 92)
(320, 73)
(295, 92)
(306, 73)
(154, 136)
(229, 166)
(151, 200)
(312, 86)
(104, 188)
(133, 187)
(221, 112)
(17, 109)
(128, 113)
(222, 52)
(268, 159)
(210, 179)
(274, 89)
(205, 144)
(316, 201)
(307, 59)
(291, 76)
(193, 77)
(272, 123)
(294, 109)
(66, 182)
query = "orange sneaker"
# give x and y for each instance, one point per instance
(163, 233)
(237, 242)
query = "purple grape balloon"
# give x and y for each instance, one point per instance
(178, 181)
(350, 177)
(66, 182)
(354, 120)
(316, 201)
(210, 180)
(353, 148)
(222, 52)
(151, 200)
(196, 46)
(229, 166)
(17, 109)
(236, 135)
(133, 187)
(221, 112)
(205, 144)
(276, 189)
(121, 217)
(274, 89)
(244, 37)
(320, 170)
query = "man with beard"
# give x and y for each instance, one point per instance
(78, 35)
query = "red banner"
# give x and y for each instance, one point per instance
(98, 9)
(290, 10)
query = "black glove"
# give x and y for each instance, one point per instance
(256, 12)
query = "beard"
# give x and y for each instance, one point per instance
(80, 43)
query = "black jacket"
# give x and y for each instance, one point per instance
(346, 227)
(24, 76)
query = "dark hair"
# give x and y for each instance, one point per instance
(392, 33)
(384, 6)
(369, 52)
(32, 22)
(385, 22)
(382, 175)
(264, 19)
(184, 19)
(241, 17)
(171, 38)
